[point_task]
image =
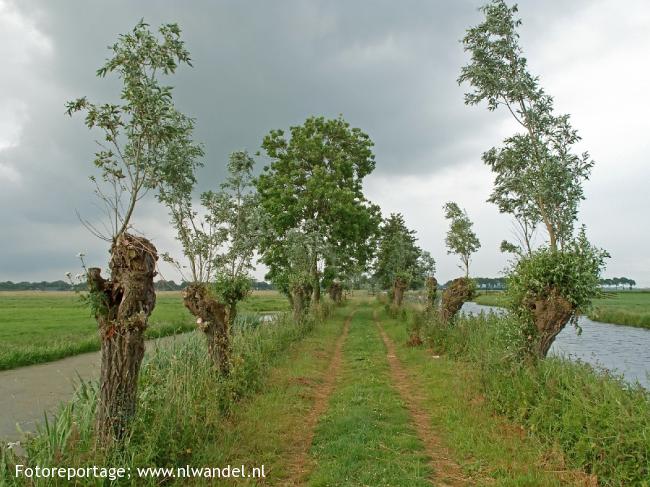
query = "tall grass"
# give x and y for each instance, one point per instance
(181, 403)
(600, 423)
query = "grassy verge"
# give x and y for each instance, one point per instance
(38, 327)
(489, 448)
(600, 424)
(631, 308)
(269, 428)
(366, 438)
(491, 298)
(183, 408)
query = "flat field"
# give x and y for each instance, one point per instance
(630, 308)
(39, 327)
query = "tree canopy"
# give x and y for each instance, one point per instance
(538, 175)
(139, 132)
(461, 239)
(398, 256)
(313, 186)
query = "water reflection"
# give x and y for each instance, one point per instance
(621, 349)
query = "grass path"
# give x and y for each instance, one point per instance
(352, 405)
(366, 436)
(272, 428)
(300, 465)
(445, 470)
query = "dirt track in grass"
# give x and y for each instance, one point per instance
(446, 472)
(300, 466)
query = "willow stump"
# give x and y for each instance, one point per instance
(458, 292)
(212, 319)
(122, 307)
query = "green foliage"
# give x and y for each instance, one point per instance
(313, 186)
(140, 134)
(398, 257)
(232, 289)
(461, 239)
(219, 244)
(291, 260)
(573, 273)
(538, 176)
(234, 210)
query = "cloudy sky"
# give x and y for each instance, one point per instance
(389, 67)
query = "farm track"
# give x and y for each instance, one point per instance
(446, 472)
(300, 465)
(27, 393)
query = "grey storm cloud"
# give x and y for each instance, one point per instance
(388, 67)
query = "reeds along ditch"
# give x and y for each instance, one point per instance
(600, 423)
(180, 405)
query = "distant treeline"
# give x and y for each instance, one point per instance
(66, 286)
(499, 283)
(483, 283)
(618, 281)
(486, 283)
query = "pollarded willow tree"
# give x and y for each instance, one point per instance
(138, 134)
(538, 177)
(218, 243)
(463, 242)
(428, 272)
(313, 188)
(399, 261)
(461, 239)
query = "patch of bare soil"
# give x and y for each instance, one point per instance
(446, 472)
(300, 465)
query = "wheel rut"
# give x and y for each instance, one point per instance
(446, 472)
(301, 465)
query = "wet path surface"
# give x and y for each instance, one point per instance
(28, 392)
(623, 350)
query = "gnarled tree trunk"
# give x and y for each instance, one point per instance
(300, 294)
(399, 286)
(212, 320)
(336, 292)
(551, 314)
(122, 307)
(315, 296)
(432, 289)
(454, 296)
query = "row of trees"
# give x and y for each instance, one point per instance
(618, 281)
(305, 216)
(159, 285)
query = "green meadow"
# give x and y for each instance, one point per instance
(38, 327)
